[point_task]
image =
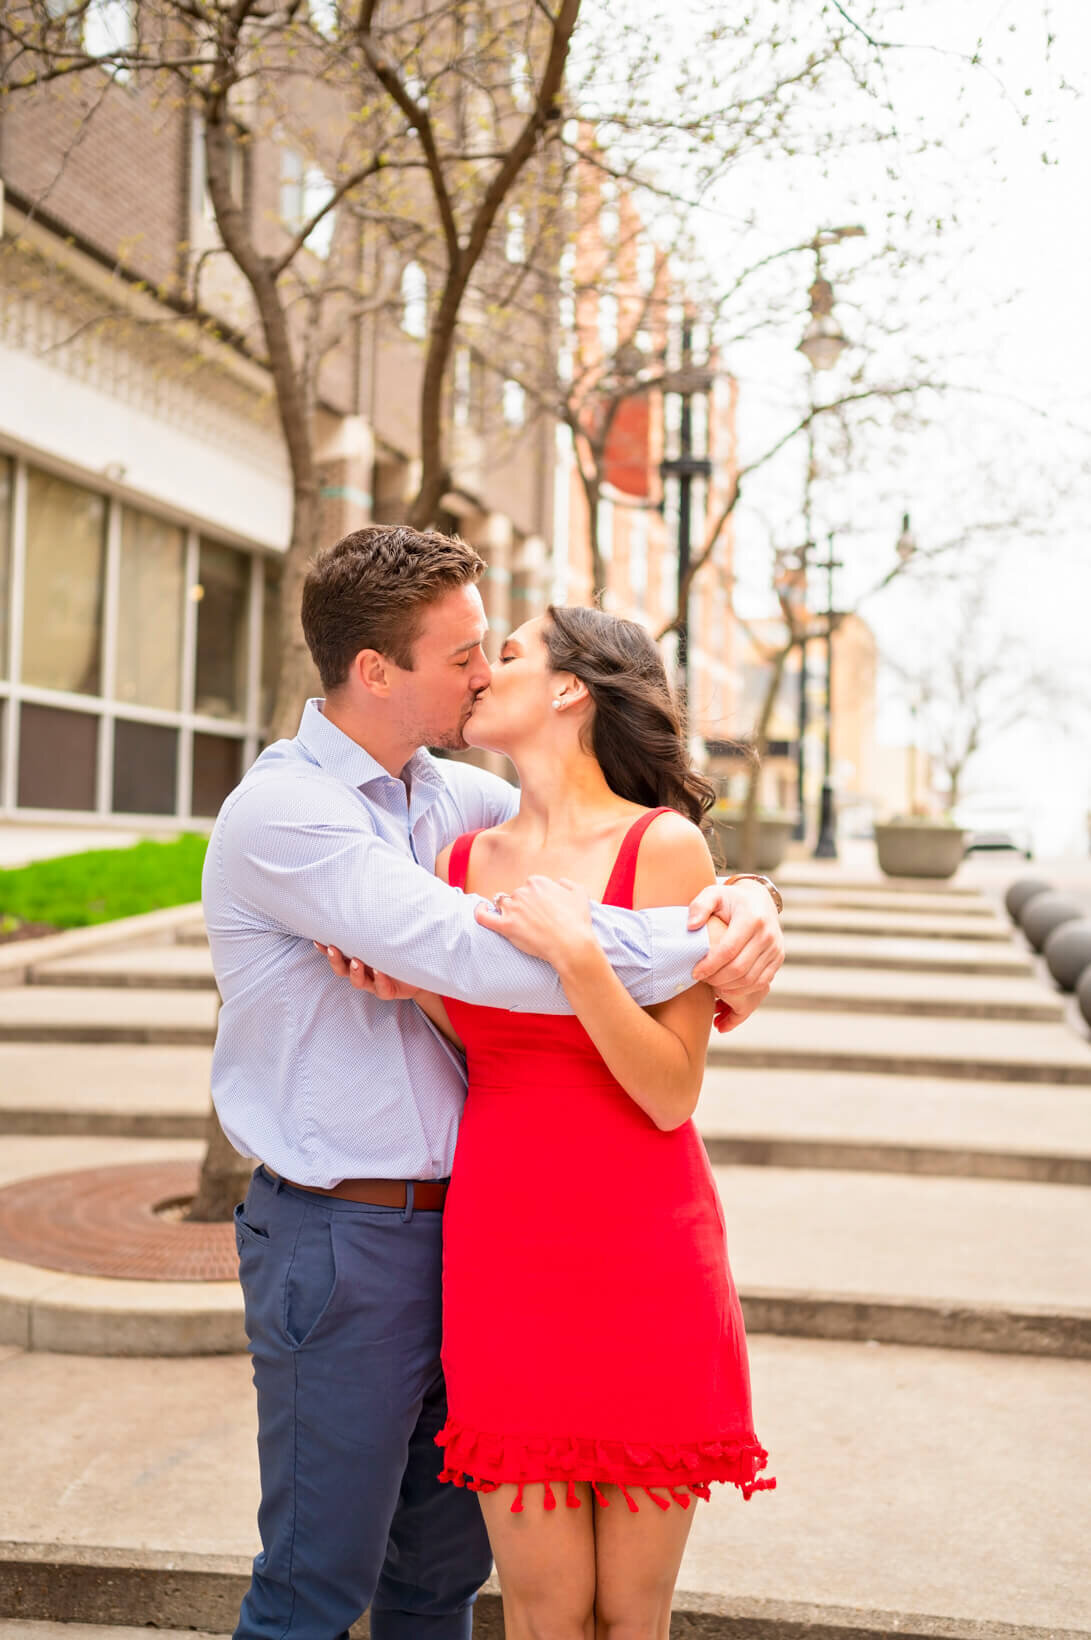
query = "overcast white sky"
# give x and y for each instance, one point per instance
(1002, 298)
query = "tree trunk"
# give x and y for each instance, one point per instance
(295, 671)
(223, 1181)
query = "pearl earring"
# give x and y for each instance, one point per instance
(556, 705)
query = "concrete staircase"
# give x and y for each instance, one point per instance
(902, 1141)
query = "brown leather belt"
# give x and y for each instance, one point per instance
(428, 1194)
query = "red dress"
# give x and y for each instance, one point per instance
(591, 1327)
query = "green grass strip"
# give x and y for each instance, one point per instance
(103, 884)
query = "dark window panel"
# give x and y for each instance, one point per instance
(217, 770)
(145, 768)
(58, 754)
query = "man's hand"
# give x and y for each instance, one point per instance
(746, 957)
(364, 978)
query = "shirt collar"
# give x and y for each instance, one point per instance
(339, 755)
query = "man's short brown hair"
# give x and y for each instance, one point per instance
(370, 592)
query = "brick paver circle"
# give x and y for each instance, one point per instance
(102, 1221)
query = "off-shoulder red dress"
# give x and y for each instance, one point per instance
(591, 1327)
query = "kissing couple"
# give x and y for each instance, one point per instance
(483, 1258)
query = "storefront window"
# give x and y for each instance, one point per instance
(5, 561)
(150, 605)
(222, 625)
(62, 625)
(58, 755)
(145, 768)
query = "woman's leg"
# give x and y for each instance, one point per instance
(636, 1566)
(545, 1559)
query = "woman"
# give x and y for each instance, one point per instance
(593, 1344)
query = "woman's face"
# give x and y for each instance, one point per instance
(519, 699)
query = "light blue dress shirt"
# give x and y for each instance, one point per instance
(319, 842)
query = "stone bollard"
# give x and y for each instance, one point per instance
(1045, 912)
(1083, 994)
(1022, 890)
(1068, 952)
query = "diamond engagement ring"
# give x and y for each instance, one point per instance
(498, 903)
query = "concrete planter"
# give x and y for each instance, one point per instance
(916, 850)
(774, 835)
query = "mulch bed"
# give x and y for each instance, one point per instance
(26, 931)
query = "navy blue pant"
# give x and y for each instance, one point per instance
(343, 1317)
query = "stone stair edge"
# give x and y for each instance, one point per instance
(50, 1310)
(158, 1589)
(19, 957)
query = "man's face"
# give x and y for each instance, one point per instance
(435, 699)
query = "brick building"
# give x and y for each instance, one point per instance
(145, 496)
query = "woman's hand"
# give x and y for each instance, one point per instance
(365, 978)
(544, 918)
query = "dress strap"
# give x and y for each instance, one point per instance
(619, 890)
(458, 865)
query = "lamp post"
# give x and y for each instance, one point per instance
(826, 846)
(685, 467)
(822, 344)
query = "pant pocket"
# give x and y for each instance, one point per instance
(311, 1281)
(245, 1231)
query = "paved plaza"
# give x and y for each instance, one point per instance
(902, 1142)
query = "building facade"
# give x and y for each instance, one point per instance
(145, 493)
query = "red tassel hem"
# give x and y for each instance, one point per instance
(482, 1462)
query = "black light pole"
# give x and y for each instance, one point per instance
(826, 846)
(799, 830)
(685, 468)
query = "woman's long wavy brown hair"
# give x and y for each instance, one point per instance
(636, 733)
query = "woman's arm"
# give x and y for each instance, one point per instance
(658, 1055)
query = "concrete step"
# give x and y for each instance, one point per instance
(894, 924)
(192, 934)
(46, 1013)
(875, 1123)
(137, 1090)
(983, 1050)
(836, 878)
(880, 991)
(882, 899)
(169, 967)
(908, 955)
(914, 1461)
(964, 1263)
(25, 1629)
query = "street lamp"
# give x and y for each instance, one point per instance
(826, 846)
(822, 345)
(823, 340)
(685, 467)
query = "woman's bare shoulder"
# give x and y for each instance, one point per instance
(674, 863)
(483, 842)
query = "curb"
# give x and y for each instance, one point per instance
(93, 1315)
(145, 1588)
(880, 1156)
(19, 957)
(1049, 1011)
(946, 1069)
(991, 1329)
(991, 932)
(1016, 967)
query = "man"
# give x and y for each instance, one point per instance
(352, 1103)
